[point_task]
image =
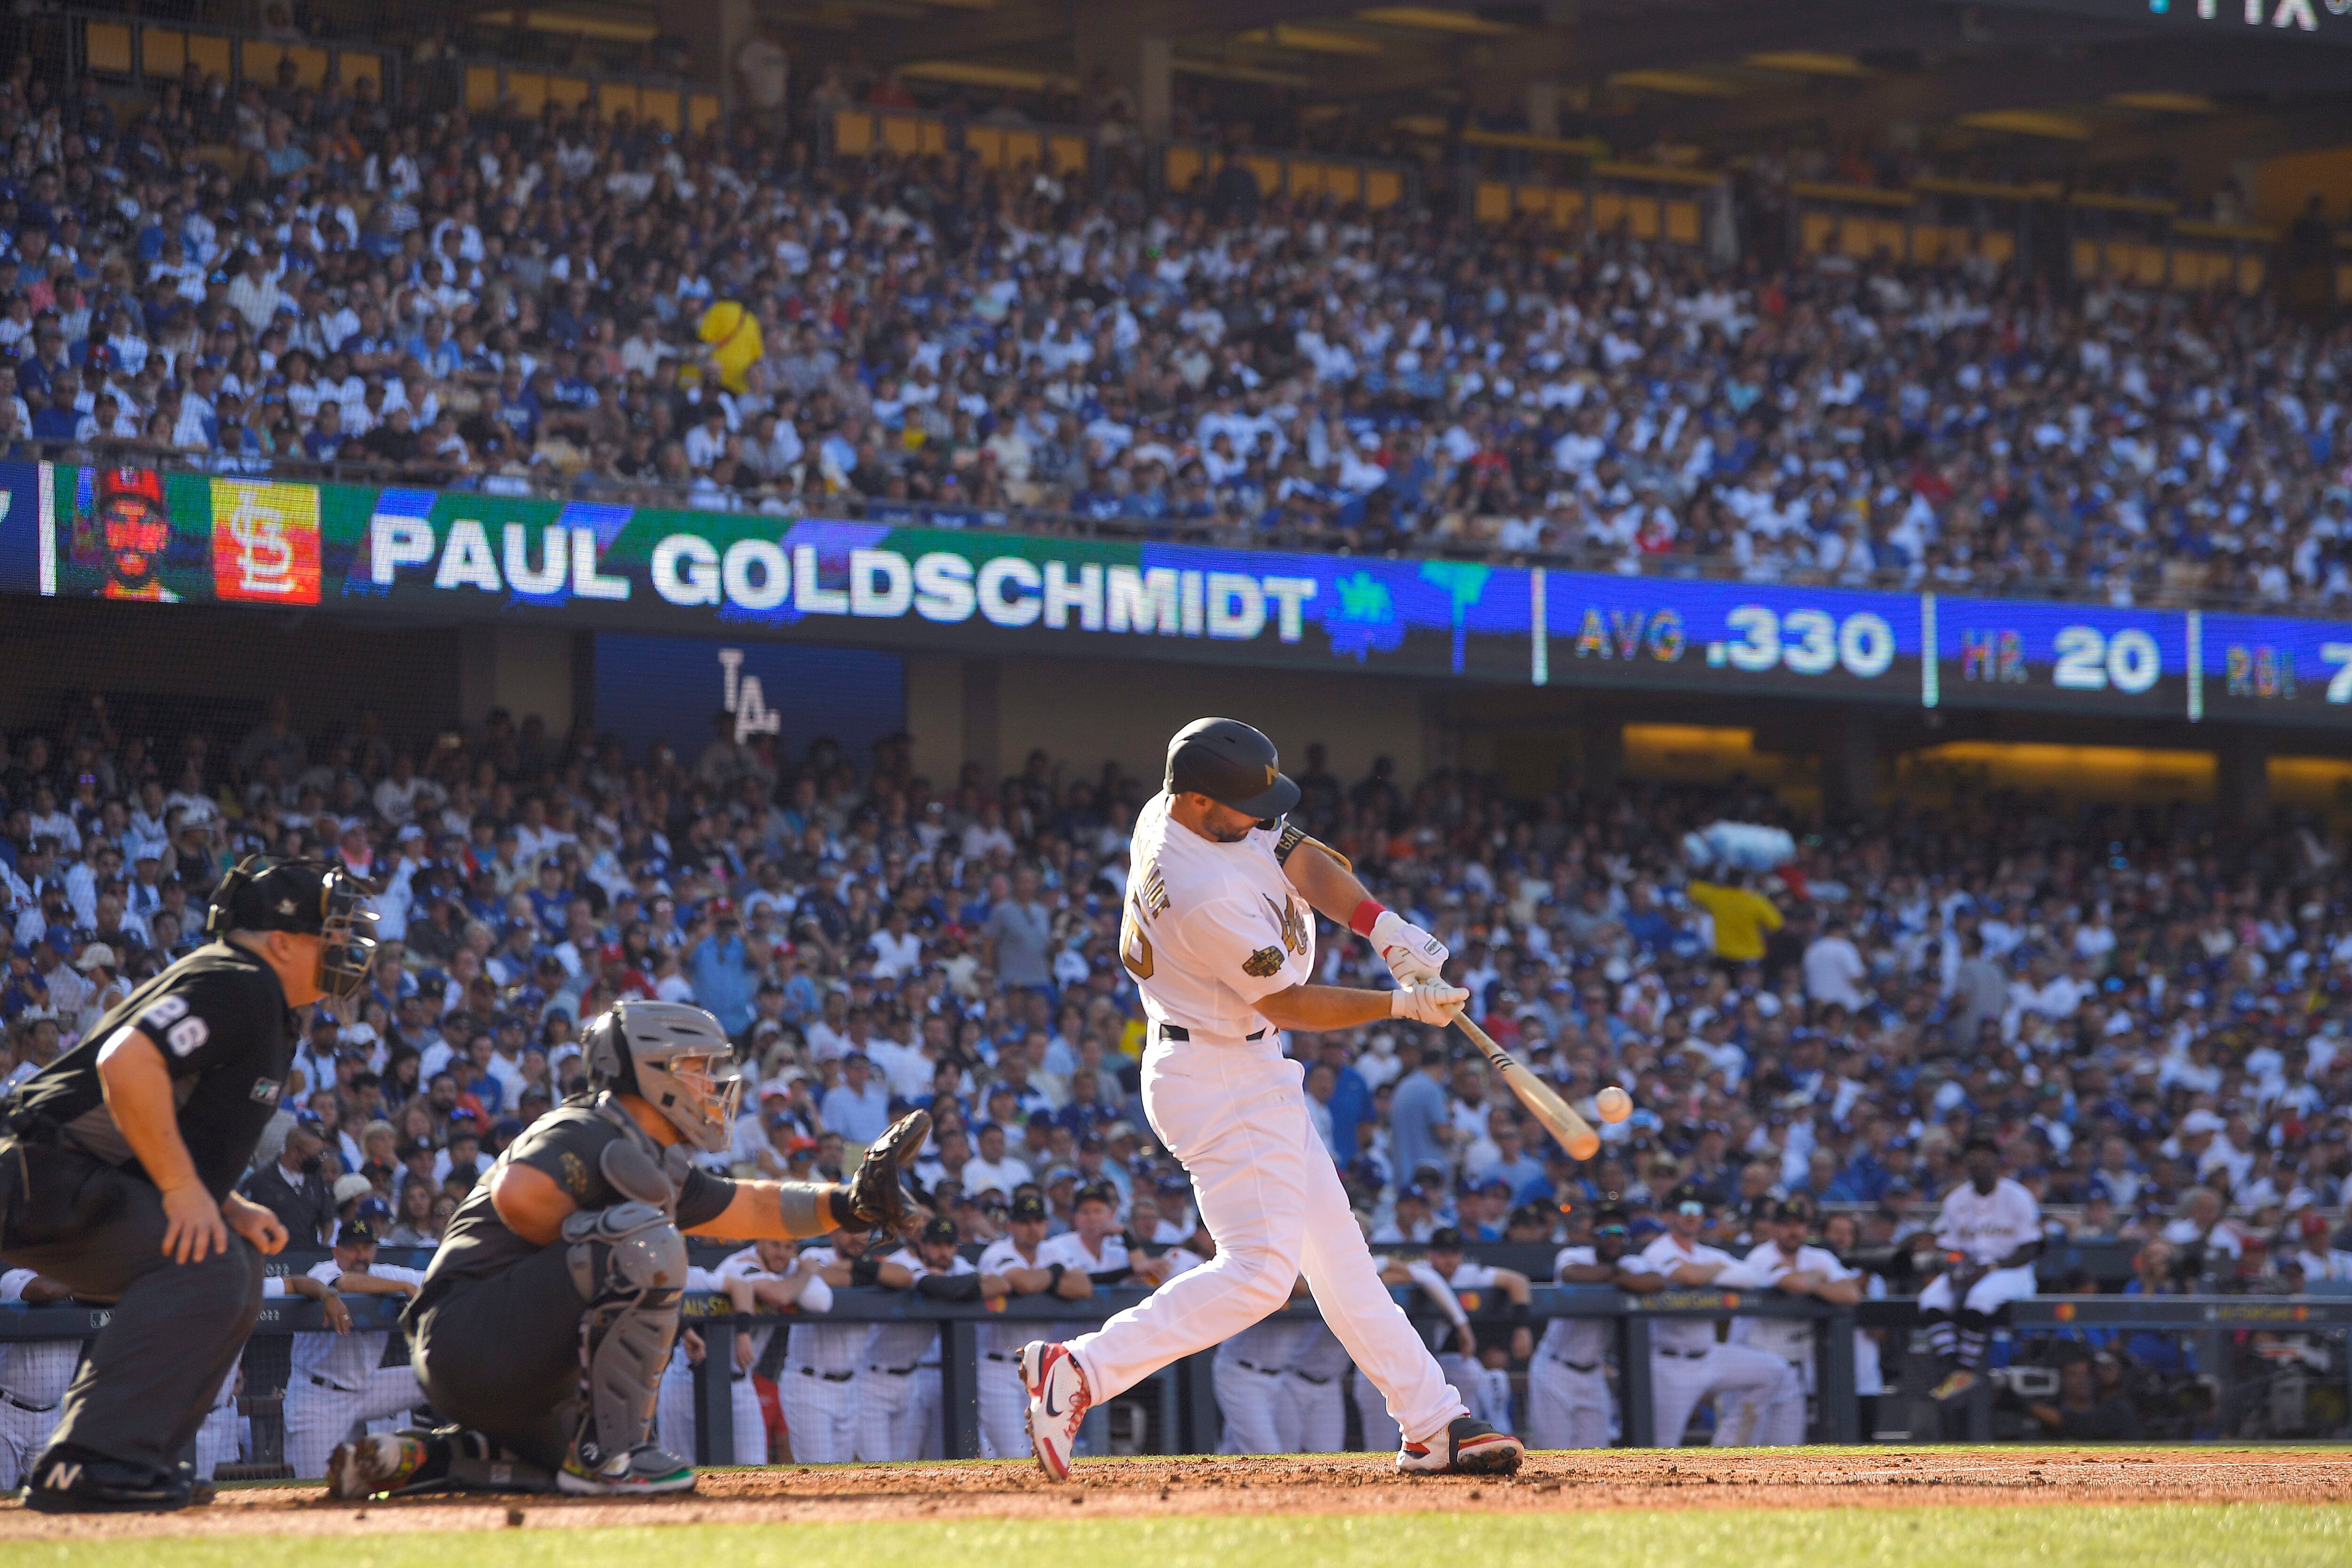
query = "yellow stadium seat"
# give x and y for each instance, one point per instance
(106, 48)
(1383, 188)
(162, 51)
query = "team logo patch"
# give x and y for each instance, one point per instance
(265, 541)
(1287, 920)
(1265, 961)
(265, 1091)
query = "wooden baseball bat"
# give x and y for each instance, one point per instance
(1574, 1133)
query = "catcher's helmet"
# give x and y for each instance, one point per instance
(1233, 764)
(673, 1055)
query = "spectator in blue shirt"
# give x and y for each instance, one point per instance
(720, 967)
(858, 1107)
(1420, 1124)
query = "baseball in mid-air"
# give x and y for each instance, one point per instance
(1614, 1104)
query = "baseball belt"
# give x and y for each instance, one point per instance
(1685, 1355)
(1583, 1365)
(1261, 1371)
(1178, 1032)
(828, 1376)
(324, 1383)
(8, 1398)
(992, 1356)
(897, 1371)
(1310, 1377)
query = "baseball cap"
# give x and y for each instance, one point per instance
(1689, 1193)
(1445, 1239)
(97, 954)
(352, 1185)
(1096, 1192)
(1028, 1205)
(2314, 1224)
(354, 1232)
(939, 1229)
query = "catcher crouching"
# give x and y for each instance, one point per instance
(548, 1312)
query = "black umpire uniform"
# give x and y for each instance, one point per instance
(76, 1204)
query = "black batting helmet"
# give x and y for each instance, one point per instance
(1232, 764)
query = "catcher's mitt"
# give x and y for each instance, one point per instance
(876, 1191)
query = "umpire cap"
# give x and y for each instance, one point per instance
(1232, 764)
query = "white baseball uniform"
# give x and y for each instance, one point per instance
(339, 1381)
(898, 1389)
(1568, 1381)
(34, 1374)
(1988, 1227)
(1790, 1339)
(674, 1403)
(749, 1419)
(1248, 1371)
(1208, 930)
(1687, 1365)
(821, 1362)
(221, 1439)
(1003, 1403)
(1310, 1404)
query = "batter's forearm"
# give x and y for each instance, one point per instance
(1315, 1009)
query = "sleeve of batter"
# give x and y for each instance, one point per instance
(1236, 945)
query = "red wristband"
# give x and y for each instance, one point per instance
(1370, 910)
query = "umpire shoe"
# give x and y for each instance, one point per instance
(69, 1479)
(1058, 1398)
(1467, 1447)
(646, 1470)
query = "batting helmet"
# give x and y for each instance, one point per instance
(1232, 764)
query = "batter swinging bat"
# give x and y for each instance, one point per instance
(1575, 1134)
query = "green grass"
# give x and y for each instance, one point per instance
(2274, 1535)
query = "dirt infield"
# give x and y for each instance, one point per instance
(1345, 1483)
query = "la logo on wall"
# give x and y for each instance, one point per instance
(744, 699)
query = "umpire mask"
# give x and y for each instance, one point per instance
(676, 1057)
(305, 898)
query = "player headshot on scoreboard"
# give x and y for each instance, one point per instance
(135, 529)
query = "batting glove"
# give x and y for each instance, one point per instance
(1410, 952)
(1431, 1002)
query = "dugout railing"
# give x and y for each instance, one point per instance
(1183, 1395)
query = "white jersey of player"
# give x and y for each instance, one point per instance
(896, 1346)
(1663, 1256)
(745, 1265)
(1209, 929)
(1071, 1253)
(1988, 1227)
(1581, 1341)
(1790, 1339)
(1006, 1339)
(347, 1360)
(833, 1350)
(35, 1372)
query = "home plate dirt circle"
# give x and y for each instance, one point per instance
(1305, 1484)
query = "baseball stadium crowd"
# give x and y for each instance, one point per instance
(2146, 1019)
(735, 318)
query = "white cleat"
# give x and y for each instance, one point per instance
(1057, 1403)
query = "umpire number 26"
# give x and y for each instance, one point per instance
(186, 1031)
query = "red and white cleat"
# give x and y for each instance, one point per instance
(1467, 1447)
(1057, 1403)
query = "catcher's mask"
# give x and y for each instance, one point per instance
(306, 898)
(674, 1056)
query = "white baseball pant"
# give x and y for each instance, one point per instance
(1567, 1408)
(674, 1416)
(1269, 1192)
(219, 1439)
(23, 1434)
(890, 1411)
(1777, 1423)
(1489, 1393)
(1380, 1431)
(1310, 1414)
(820, 1416)
(1987, 1295)
(318, 1418)
(1004, 1409)
(1677, 1383)
(1246, 1400)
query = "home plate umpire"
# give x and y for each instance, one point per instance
(117, 1162)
